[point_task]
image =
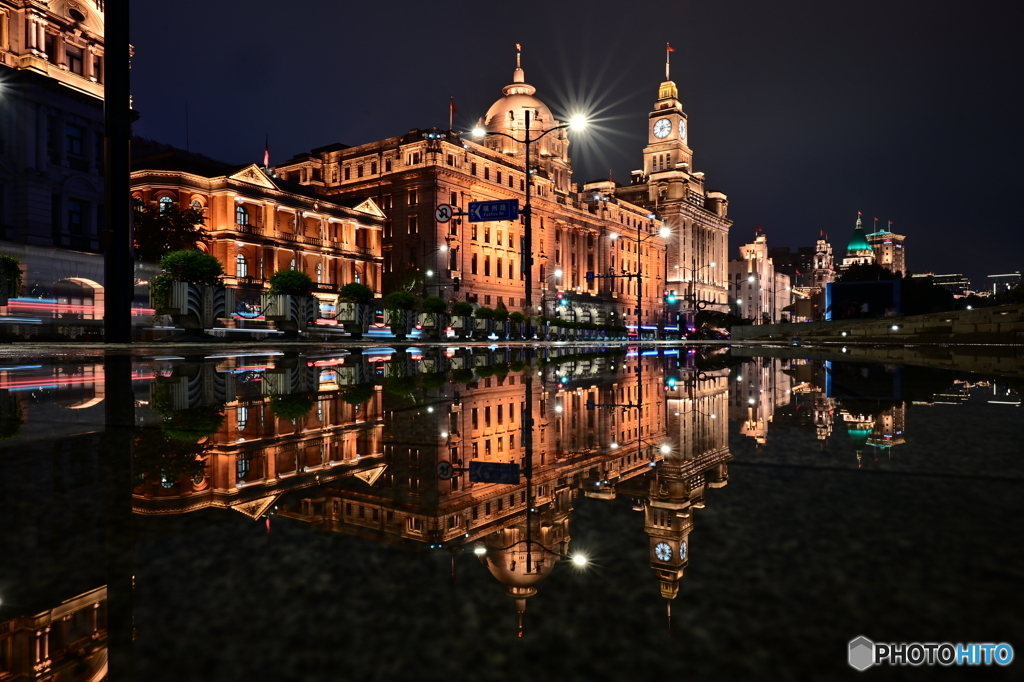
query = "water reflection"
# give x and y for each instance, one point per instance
(376, 444)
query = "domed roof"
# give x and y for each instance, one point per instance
(858, 242)
(519, 97)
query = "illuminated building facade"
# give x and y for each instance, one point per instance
(410, 175)
(758, 391)
(51, 147)
(889, 250)
(257, 224)
(758, 291)
(670, 186)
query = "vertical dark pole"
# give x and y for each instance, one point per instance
(528, 238)
(119, 276)
(639, 288)
(117, 461)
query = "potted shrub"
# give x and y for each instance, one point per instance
(289, 303)
(518, 321)
(355, 308)
(399, 310)
(434, 316)
(484, 324)
(190, 288)
(10, 277)
(462, 318)
(501, 316)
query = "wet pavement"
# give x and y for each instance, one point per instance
(500, 511)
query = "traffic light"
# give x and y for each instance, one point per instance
(455, 283)
(562, 300)
(671, 299)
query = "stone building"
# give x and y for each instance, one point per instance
(51, 148)
(758, 291)
(888, 248)
(258, 224)
(574, 231)
(696, 216)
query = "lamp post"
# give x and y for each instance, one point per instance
(692, 294)
(427, 272)
(664, 232)
(577, 123)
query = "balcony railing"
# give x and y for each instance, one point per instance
(249, 229)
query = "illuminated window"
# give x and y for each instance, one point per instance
(241, 216)
(165, 204)
(242, 416)
(241, 266)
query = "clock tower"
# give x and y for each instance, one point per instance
(667, 132)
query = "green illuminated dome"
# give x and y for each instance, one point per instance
(859, 242)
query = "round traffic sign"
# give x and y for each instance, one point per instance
(443, 213)
(445, 470)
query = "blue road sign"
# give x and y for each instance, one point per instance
(484, 211)
(493, 472)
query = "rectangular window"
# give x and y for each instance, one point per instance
(413, 197)
(501, 412)
(414, 224)
(487, 173)
(487, 235)
(75, 136)
(348, 173)
(498, 176)
(387, 165)
(373, 168)
(475, 235)
(472, 264)
(472, 168)
(97, 69)
(74, 57)
(476, 418)
(487, 266)
(454, 200)
(498, 269)
(512, 441)
(511, 269)
(76, 216)
(510, 181)
(359, 171)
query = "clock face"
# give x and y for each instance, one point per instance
(682, 551)
(662, 128)
(682, 129)
(663, 551)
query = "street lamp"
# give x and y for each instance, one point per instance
(428, 272)
(664, 233)
(692, 283)
(578, 122)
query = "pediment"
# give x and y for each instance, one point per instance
(256, 508)
(253, 175)
(370, 476)
(370, 207)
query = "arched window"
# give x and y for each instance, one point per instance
(292, 265)
(242, 415)
(241, 215)
(166, 204)
(241, 266)
(197, 205)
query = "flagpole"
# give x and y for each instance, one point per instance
(668, 48)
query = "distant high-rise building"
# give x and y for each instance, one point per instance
(758, 292)
(1004, 282)
(888, 248)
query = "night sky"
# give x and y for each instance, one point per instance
(802, 112)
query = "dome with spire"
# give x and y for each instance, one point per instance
(859, 241)
(509, 112)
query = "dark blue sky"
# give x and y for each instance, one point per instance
(802, 112)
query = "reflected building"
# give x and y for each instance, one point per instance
(274, 424)
(881, 431)
(603, 426)
(760, 388)
(53, 613)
